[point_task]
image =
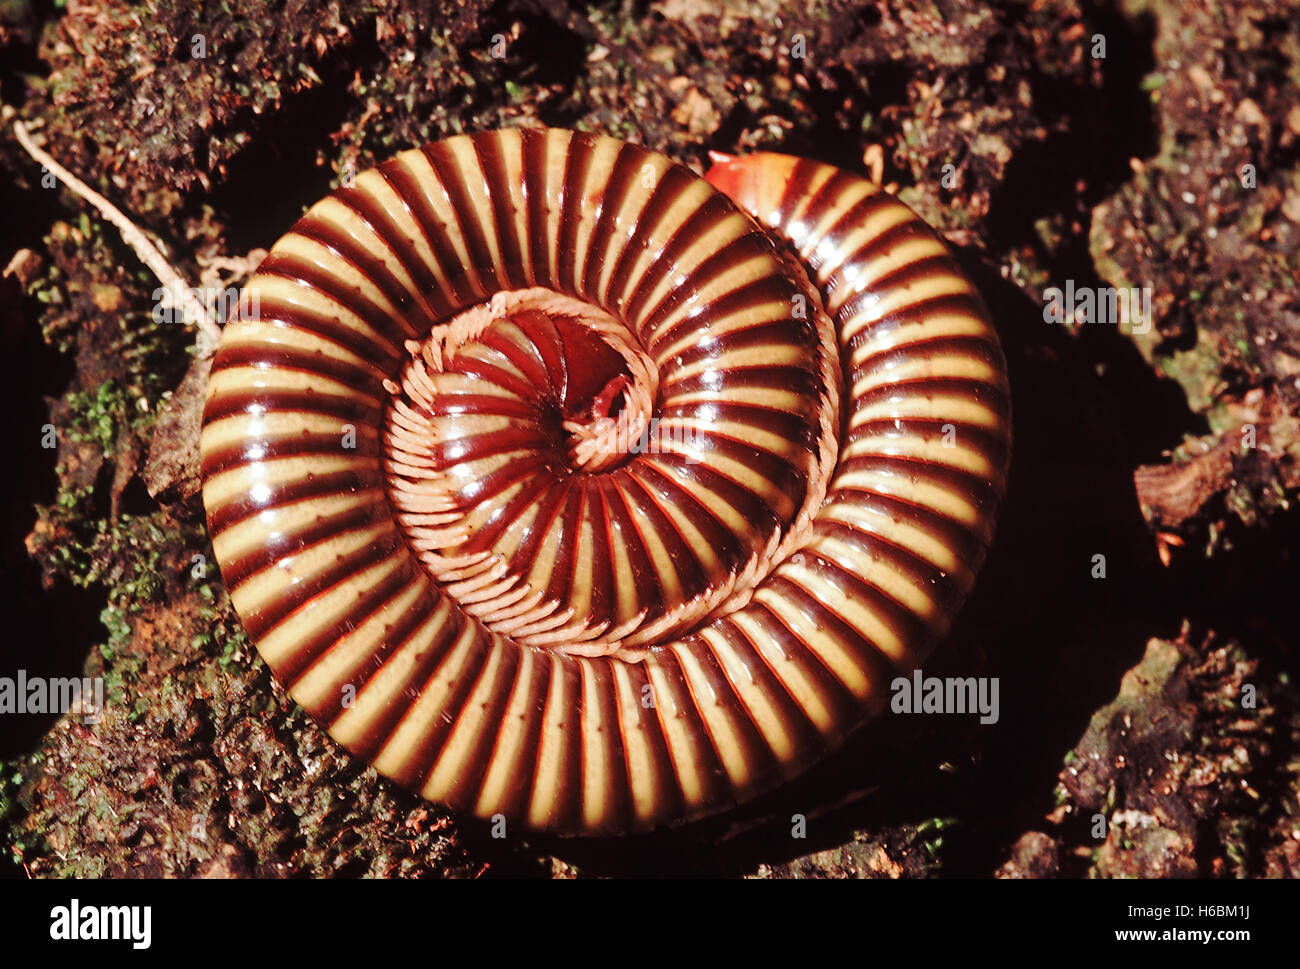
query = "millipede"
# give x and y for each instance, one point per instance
(565, 485)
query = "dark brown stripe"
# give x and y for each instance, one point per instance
(520, 779)
(283, 544)
(327, 638)
(566, 809)
(367, 206)
(561, 582)
(366, 376)
(972, 390)
(262, 621)
(480, 489)
(828, 251)
(954, 536)
(781, 333)
(263, 400)
(311, 487)
(666, 792)
(753, 748)
(613, 200)
(946, 589)
(991, 445)
(602, 575)
(427, 661)
(974, 489)
(909, 275)
(504, 202)
(830, 196)
(452, 175)
(751, 508)
(970, 347)
(796, 188)
(892, 614)
(954, 304)
(649, 517)
(713, 212)
(506, 338)
(462, 289)
(395, 637)
(573, 204)
(424, 757)
(609, 741)
(860, 265)
(800, 731)
(714, 783)
(534, 147)
(788, 480)
(866, 654)
(621, 529)
(794, 428)
(554, 496)
(840, 703)
(398, 325)
(731, 553)
(667, 191)
(269, 447)
(465, 791)
(804, 383)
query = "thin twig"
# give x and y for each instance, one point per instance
(177, 290)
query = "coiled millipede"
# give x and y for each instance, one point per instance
(548, 480)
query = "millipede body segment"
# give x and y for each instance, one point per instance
(564, 485)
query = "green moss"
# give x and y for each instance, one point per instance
(98, 415)
(234, 644)
(929, 835)
(11, 780)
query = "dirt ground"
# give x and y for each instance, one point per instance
(1138, 606)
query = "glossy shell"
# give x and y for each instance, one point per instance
(537, 473)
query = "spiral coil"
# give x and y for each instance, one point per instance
(547, 479)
